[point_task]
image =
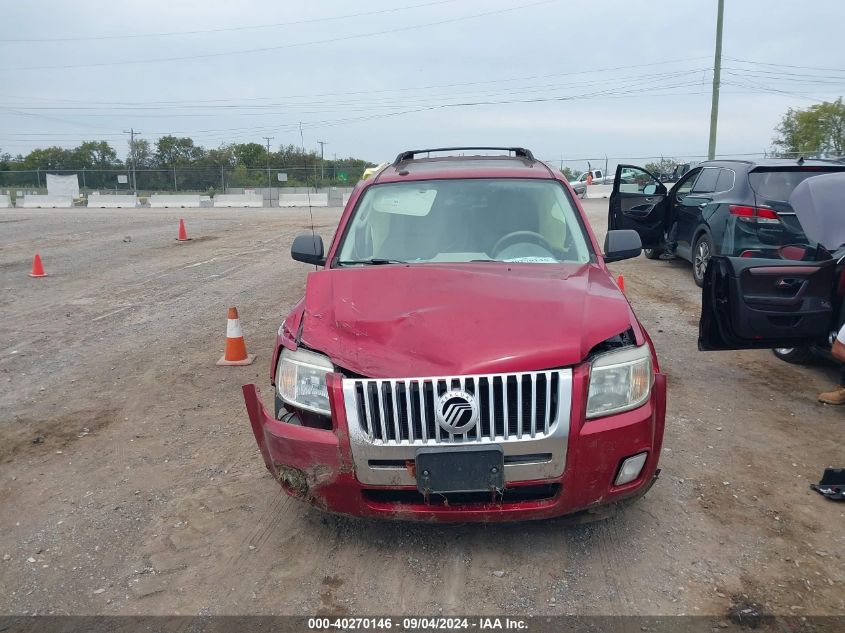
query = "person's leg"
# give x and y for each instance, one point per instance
(837, 394)
(671, 242)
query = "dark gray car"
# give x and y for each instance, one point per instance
(732, 207)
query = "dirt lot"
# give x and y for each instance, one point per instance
(131, 482)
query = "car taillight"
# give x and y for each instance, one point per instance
(759, 215)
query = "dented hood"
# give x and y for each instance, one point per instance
(434, 320)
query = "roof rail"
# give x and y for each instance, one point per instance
(519, 152)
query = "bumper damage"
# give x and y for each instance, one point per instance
(316, 466)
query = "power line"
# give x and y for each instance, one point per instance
(224, 30)
(748, 61)
(368, 102)
(587, 71)
(282, 46)
(629, 92)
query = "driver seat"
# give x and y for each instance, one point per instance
(509, 212)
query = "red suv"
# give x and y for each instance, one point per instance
(464, 354)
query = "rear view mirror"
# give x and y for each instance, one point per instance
(622, 244)
(308, 248)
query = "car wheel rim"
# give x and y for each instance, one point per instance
(702, 257)
(784, 351)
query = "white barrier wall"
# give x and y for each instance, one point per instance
(599, 191)
(302, 199)
(346, 197)
(174, 201)
(252, 200)
(112, 202)
(5, 201)
(36, 201)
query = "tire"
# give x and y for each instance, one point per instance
(701, 254)
(795, 355)
(652, 253)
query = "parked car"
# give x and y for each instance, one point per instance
(463, 354)
(790, 299)
(721, 207)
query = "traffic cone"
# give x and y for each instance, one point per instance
(620, 281)
(235, 353)
(37, 267)
(183, 234)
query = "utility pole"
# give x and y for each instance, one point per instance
(269, 194)
(132, 134)
(173, 165)
(717, 77)
(322, 170)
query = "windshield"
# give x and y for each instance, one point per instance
(506, 220)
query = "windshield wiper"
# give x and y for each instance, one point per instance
(374, 261)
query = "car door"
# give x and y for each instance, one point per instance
(691, 206)
(674, 204)
(637, 203)
(750, 303)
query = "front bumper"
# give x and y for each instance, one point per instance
(316, 465)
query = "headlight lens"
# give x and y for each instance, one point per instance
(619, 381)
(301, 380)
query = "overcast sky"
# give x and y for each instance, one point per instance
(622, 78)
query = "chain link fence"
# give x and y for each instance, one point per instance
(206, 181)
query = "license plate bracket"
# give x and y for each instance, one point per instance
(460, 469)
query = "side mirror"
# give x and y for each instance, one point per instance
(622, 244)
(308, 248)
(650, 190)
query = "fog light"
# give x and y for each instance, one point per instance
(630, 469)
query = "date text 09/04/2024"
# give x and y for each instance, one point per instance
(418, 624)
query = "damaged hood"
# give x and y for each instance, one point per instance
(435, 320)
(819, 205)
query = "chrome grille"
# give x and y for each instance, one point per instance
(511, 407)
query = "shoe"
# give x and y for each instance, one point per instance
(837, 396)
(666, 255)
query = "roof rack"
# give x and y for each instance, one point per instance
(519, 152)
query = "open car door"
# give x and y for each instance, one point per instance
(749, 303)
(637, 202)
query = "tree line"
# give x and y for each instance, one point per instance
(179, 163)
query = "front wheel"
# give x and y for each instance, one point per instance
(652, 253)
(702, 252)
(795, 355)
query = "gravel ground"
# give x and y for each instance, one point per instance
(131, 483)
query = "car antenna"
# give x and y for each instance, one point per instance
(308, 192)
(800, 160)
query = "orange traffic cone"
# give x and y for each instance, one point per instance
(37, 267)
(620, 281)
(183, 234)
(235, 353)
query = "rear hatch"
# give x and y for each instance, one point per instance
(772, 186)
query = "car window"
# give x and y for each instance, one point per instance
(706, 181)
(778, 184)
(635, 180)
(683, 187)
(512, 220)
(726, 180)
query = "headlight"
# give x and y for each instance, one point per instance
(619, 381)
(301, 380)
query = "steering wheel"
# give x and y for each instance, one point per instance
(519, 236)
